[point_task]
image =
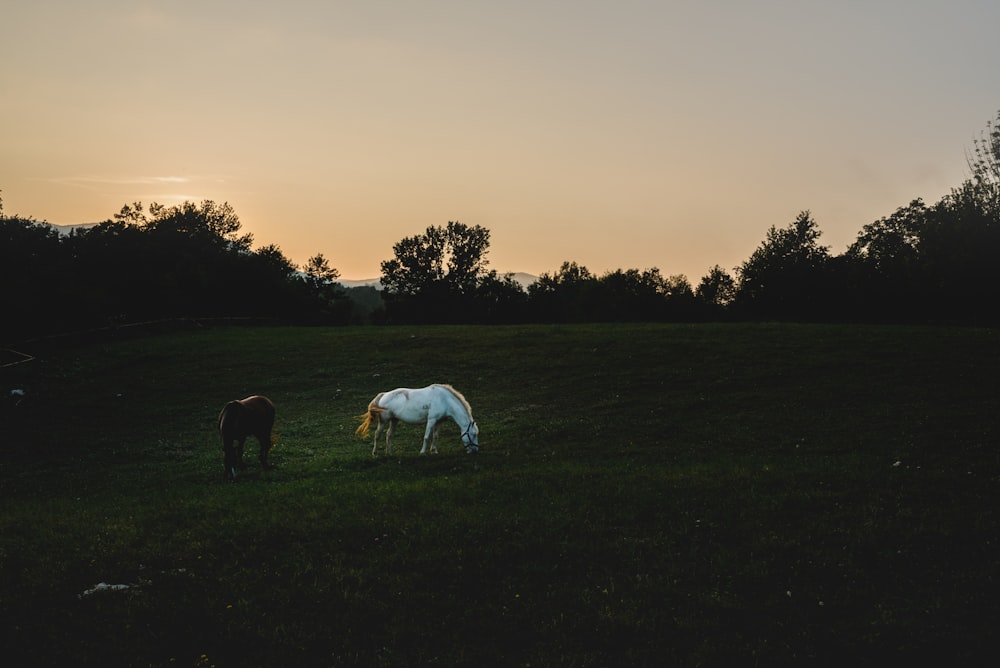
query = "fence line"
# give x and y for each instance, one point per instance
(25, 357)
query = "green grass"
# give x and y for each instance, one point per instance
(644, 495)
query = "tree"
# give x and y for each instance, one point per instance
(569, 274)
(466, 250)
(196, 251)
(33, 272)
(319, 274)
(330, 302)
(118, 270)
(625, 296)
(958, 254)
(211, 222)
(717, 288)
(500, 299)
(892, 243)
(132, 214)
(418, 263)
(884, 273)
(451, 257)
(984, 162)
(436, 276)
(676, 286)
(783, 277)
(563, 296)
(187, 260)
(273, 260)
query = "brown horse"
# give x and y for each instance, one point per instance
(253, 416)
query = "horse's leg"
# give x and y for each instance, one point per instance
(265, 449)
(229, 461)
(428, 434)
(378, 430)
(238, 453)
(388, 436)
(434, 438)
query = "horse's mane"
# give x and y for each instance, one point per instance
(459, 396)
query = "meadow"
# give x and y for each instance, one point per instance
(670, 495)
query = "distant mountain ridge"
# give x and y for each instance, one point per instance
(360, 283)
(65, 230)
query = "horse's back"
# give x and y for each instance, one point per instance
(376, 402)
(392, 401)
(245, 416)
(260, 405)
(415, 405)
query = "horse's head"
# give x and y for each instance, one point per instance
(470, 437)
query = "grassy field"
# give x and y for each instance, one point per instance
(644, 495)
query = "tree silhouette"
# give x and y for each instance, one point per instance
(453, 257)
(164, 262)
(885, 278)
(984, 162)
(717, 288)
(959, 250)
(783, 276)
(436, 276)
(564, 295)
(33, 270)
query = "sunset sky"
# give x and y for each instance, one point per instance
(625, 134)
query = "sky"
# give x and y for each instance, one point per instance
(617, 135)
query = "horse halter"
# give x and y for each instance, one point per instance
(468, 432)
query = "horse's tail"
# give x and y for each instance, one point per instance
(366, 423)
(366, 420)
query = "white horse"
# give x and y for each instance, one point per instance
(430, 404)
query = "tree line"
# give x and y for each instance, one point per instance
(165, 262)
(922, 263)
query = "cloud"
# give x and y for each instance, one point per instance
(92, 180)
(169, 190)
